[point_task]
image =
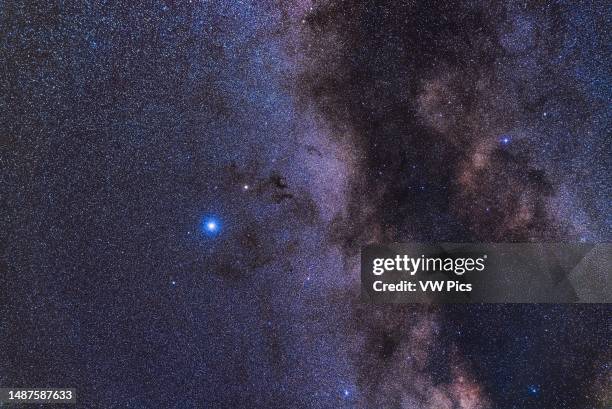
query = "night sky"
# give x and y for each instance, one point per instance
(186, 186)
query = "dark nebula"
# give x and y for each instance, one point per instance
(187, 185)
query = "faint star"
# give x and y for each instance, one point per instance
(533, 390)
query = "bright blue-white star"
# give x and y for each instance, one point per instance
(211, 226)
(505, 140)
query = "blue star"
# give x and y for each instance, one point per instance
(347, 392)
(505, 140)
(534, 390)
(211, 226)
